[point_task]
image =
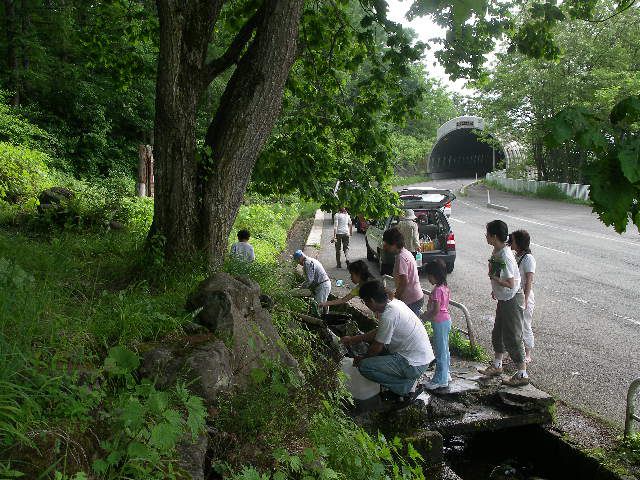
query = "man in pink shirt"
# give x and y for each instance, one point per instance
(405, 271)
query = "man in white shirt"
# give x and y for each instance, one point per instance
(342, 230)
(408, 350)
(315, 277)
(408, 227)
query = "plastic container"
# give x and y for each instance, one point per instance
(419, 259)
(360, 387)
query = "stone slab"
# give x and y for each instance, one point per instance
(482, 418)
(527, 395)
(459, 386)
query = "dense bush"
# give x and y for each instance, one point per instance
(23, 173)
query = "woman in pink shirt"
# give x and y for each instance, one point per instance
(438, 313)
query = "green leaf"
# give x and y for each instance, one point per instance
(133, 414)
(164, 436)
(258, 375)
(141, 451)
(626, 111)
(629, 157)
(121, 361)
(158, 402)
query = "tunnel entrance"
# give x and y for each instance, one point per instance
(459, 152)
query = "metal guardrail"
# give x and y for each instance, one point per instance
(465, 311)
(631, 408)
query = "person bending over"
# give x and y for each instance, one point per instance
(399, 350)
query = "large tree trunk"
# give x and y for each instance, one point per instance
(196, 203)
(248, 111)
(185, 32)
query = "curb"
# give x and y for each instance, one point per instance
(493, 205)
(314, 240)
(498, 207)
(463, 189)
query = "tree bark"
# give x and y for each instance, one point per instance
(13, 64)
(185, 31)
(247, 113)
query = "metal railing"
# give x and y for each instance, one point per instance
(465, 311)
(631, 408)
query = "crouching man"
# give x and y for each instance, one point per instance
(399, 350)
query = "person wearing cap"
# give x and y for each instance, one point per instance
(408, 227)
(342, 230)
(316, 278)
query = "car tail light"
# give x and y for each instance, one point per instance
(447, 205)
(451, 241)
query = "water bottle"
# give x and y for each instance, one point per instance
(419, 259)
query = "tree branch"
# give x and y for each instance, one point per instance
(232, 55)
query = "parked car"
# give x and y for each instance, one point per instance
(446, 208)
(428, 206)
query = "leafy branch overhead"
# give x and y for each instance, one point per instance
(613, 142)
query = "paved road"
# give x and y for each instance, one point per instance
(587, 318)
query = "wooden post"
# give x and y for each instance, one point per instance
(145, 171)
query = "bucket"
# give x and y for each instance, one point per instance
(360, 387)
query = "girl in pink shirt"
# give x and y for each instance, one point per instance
(438, 314)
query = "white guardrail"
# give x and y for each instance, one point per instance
(575, 190)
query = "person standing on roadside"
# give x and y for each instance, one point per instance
(405, 271)
(520, 242)
(408, 227)
(505, 288)
(315, 277)
(438, 314)
(342, 230)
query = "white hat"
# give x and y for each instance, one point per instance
(409, 215)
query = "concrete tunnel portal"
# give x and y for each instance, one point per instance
(459, 151)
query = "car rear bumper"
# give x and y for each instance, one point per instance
(448, 257)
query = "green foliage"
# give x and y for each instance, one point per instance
(17, 130)
(23, 173)
(623, 458)
(614, 144)
(85, 75)
(146, 424)
(460, 346)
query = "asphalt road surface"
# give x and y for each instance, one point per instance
(587, 290)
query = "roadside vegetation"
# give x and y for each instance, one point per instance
(81, 296)
(548, 192)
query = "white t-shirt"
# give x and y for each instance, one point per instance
(527, 264)
(341, 222)
(403, 332)
(509, 269)
(243, 251)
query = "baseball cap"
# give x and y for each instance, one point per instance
(297, 254)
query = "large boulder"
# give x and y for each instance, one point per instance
(230, 308)
(201, 362)
(237, 335)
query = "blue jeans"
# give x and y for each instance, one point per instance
(393, 371)
(416, 306)
(441, 346)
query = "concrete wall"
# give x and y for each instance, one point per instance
(574, 190)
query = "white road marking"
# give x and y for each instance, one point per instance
(549, 248)
(457, 220)
(580, 300)
(592, 235)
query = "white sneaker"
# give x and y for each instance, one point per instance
(430, 385)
